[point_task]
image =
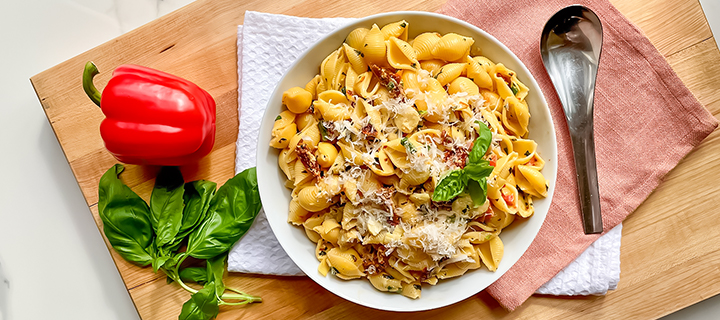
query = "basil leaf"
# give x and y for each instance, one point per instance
(323, 131)
(203, 305)
(482, 143)
(215, 271)
(477, 189)
(451, 186)
(159, 262)
(230, 215)
(197, 198)
(477, 171)
(166, 205)
(126, 218)
(194, 274)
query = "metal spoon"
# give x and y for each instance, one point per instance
(570, 47)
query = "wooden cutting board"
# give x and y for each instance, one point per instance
(670, 255)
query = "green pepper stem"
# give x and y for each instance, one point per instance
(88, 74)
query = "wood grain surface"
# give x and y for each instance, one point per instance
(670, 256)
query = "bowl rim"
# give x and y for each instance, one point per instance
(552, 180)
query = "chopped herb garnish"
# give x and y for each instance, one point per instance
(278, 118)
(403, 25)
(391, 86)
(387, 276)
(413, 65)
(527, 153)
(514, 88)
(322, 253)
(344, 90)
(333, 270)
(417, 287)
(409, 147)
(323, 131)
(422, 112)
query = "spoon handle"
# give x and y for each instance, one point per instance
(586, 170)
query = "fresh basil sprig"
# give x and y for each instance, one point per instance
(182, 213)
(473, 178)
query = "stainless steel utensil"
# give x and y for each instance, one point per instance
(570, 47)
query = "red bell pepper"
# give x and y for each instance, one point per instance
(152, 117)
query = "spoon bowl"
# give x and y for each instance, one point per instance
(570, 46)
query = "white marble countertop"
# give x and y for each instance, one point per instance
(53, 262)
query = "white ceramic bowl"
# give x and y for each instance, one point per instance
(275, 197)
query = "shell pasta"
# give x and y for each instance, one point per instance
(407, 157)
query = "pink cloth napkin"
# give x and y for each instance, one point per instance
(641, 108)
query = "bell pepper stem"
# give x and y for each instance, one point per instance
(88, 74)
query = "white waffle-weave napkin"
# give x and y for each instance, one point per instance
(267, 45)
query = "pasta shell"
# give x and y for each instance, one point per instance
(450, 271)
(401, 55)
(410, 84)
(507, 201)
(366, 85)
(407, 120)
(504, 165)
(312, 200)
(374, 46)
(350, 154)
(525, 205)
(452, 47)
(431, 66)
(283, 120)
(531, 181)
(304, 120)
(310, 224)
(414, 178)
(424, 44)
(525, 149)
(347, 262)
(449, 72)
(493, 121)
(412, 290)
(281, 137)
(296, 214)
(312, 86)
(302, 176)
(492, 100)
(385, 167)
(515, 116)
(286, 165)
(385, 282)
(433, 101)
(465, 85)
(326, 154)
(397, 29)
(356, 37)
(507, 84)
(328, 69)
(355, 57)
(477, 72)
(297, 99)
